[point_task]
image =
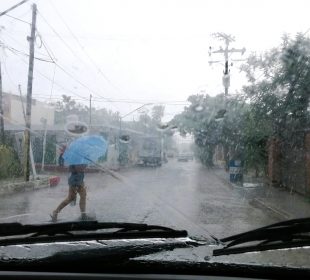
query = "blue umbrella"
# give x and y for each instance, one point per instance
(85, 150)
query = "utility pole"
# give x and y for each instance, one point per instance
(226, 51)
(90, 97)
(226, 74)
(31, 40)
(34, 172)
(44, 122)
(1, 110)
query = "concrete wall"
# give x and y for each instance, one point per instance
(307, 164)
(274, 169)
(289, 165)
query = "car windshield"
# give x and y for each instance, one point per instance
(187, 114)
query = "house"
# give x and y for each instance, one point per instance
(13, 111)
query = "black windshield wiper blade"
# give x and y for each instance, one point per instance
(81, 231)
(287, 234)
(9, 229)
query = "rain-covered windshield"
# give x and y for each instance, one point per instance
(187, 114)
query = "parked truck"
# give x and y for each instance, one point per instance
(149, 152)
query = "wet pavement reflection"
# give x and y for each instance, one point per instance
(182, 195)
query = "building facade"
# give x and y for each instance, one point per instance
(13, 111)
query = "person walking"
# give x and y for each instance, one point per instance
(76, 186)
(60, 158)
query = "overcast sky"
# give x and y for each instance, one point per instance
(139, 51)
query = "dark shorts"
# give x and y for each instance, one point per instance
(76, 180)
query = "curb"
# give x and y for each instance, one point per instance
(20, 187)
(65, 169)
(278, 213)
(256, 202)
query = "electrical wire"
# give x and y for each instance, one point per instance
(18, 19)
(58, 35)
(116, 101)
(47, 49)
(106, 100)
(24, 54)
(7, 73)
(13, 7)
(71, 50)
(18, 43)
(72, 76)
(62, 68)
(60, 86)
(75, 79)
(83, 49)
(52, 60)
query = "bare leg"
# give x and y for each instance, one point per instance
(71, 196)
(82, 192)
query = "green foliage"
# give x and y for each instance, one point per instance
(68, 106)
(9, 163)
(275, 102)
(50, 151)
(278, 94)
(217, 122)
(255, 136)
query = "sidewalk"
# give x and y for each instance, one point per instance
(17, 185)
(278, 201)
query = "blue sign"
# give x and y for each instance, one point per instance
(235, 171)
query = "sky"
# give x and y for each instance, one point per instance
(129, 53)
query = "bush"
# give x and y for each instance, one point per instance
(9, 163)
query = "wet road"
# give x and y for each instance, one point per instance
(183, 195)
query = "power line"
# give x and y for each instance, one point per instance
(53, 81)
(75, 79)
(83, 49)
(13, 7)
(71, 50)
(53, 58)
(15, 51)
(174, 103)
(60, 86)
(74, 54)
(49, 52)
(65, 43)
(18, 19)
(23, 53)
(142, 101)
(41, 96)
(60, 37)
(106, 100)
(7, 72)
(18, 43)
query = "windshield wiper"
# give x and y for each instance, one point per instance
(16, 233)
(287, 234)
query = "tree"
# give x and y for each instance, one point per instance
(278, 95)
(274, 103)
(68, 106)
(212, 124)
